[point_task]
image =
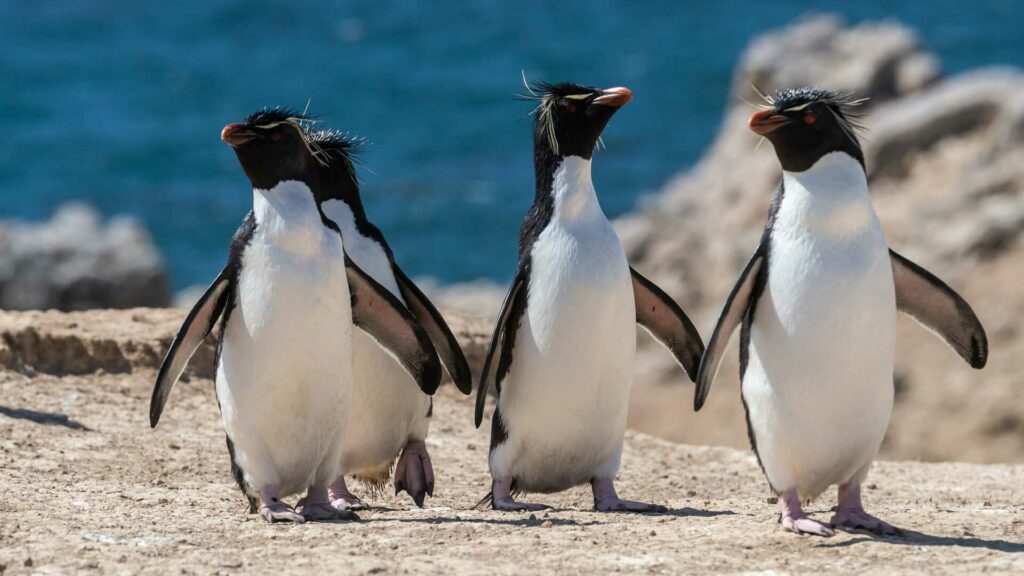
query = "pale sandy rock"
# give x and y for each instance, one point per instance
(112, 341)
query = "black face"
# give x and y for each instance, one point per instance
(805, 124)
(335, 154)
(272, 147)
(570, 117)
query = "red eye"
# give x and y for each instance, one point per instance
(810, 118)
(570, 107)
(276, 136)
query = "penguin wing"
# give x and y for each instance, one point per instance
(736, 306)
(515, 293)
(437, 329)
(657, 312)
(193, 331)
(936, 306)
(385, 319)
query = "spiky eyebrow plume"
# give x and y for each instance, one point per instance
(276, 115)
(842, 105)
(546, 94)
(271, 117)
(341, 144)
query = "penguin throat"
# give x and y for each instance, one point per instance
(830, 198)
(288, 215)
(572, 190)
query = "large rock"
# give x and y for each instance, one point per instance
(75, 262)
(945, 159)
(876, 60)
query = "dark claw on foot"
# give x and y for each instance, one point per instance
(414, 474)
(860, 520)
(324, 511)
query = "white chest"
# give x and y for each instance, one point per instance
(829, 270)
(286, 362)
(565, 399)
(580, 290)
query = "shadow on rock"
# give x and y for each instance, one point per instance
(50, 418)
(911, 538)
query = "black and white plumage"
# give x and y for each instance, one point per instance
(563, 347)
(287, 301)
(816, 305)
(389, 412)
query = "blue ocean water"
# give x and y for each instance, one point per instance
(121, 103)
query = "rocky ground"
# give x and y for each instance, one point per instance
(88, 487)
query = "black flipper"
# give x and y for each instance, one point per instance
(515, 292)
(732, 315)
(198, 324)
(378, 313)
(665, 320)
(441, 336)
(925, 298)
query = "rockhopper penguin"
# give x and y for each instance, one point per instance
(389, 413)
(287, 301)
(565, 340)
(817, 304)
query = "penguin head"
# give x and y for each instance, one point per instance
(272, 146)
(337, 153)
(804, 124)
(570, 117)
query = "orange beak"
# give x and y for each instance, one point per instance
(617, 97)
(236, 134)
(766, 121)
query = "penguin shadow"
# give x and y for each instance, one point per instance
(693, 513)
(47, 418)
(601, 518)
(525, 522)
(912, 538)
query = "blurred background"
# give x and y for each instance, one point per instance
(115, 190)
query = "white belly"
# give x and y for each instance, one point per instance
(284, 373)
(818, 385)
(565, 399)
(387, 406)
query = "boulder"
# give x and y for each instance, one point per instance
(75, 261)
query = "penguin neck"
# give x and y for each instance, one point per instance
(565, 181)
(830, 198)
(347, 192)
(289, 216)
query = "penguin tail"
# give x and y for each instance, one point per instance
(487, 501)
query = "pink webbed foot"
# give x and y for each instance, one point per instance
(273, 509)
(316, 505)
(795, 520)
(806, 525)
(342, 499)
(850, 514)
(414, 473)
(606, 500)
(501, 498)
